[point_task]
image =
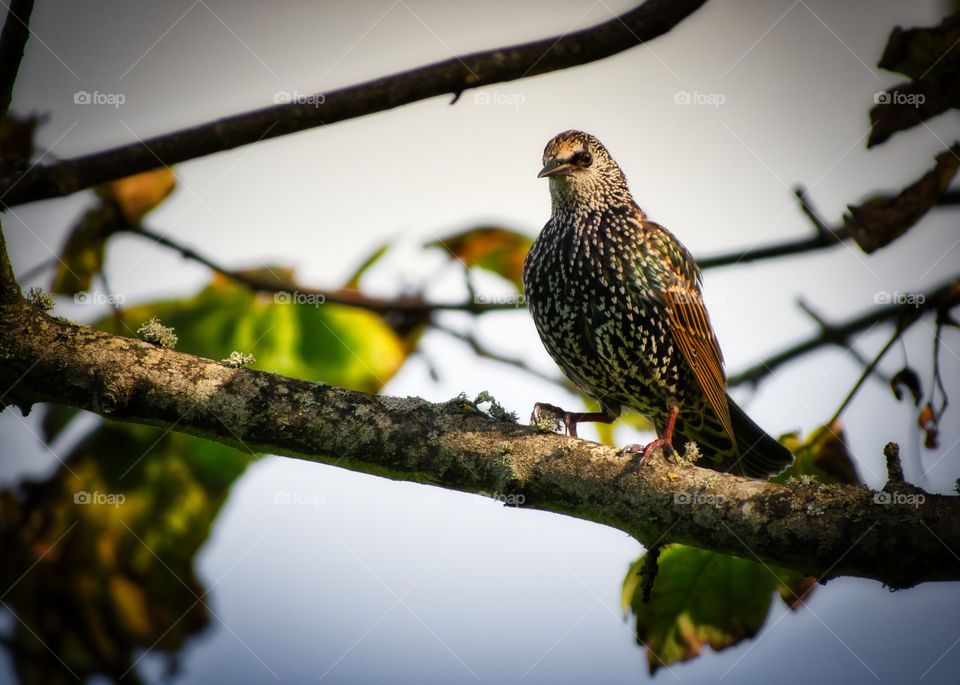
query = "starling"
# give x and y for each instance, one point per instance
(617, 302)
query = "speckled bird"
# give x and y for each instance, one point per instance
(617, 301)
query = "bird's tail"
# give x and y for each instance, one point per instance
(760, 454)
(757, 455)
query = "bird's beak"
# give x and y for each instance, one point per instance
(555, 167)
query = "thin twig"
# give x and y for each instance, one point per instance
(481, 351)
(852, 351)
(863, 377)
(942, 298)
(783, 249)
(824, 237)
(650, 568)
(894, 468)
(346, 296)
(937, 383)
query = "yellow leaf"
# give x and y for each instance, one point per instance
(136, 195)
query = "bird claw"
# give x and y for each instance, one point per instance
(646, 451)
(547, 417)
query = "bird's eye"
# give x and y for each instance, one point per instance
(584, 159)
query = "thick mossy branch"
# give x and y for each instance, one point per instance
(900, 536)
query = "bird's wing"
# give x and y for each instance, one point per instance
(692, 332)
(691, 329)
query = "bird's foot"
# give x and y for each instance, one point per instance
(570, 418)
(645, 451)
(548, 417)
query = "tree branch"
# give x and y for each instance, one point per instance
(481, 351)
(822, 323)
(355, 298)
(942, 298)
(644, 23)
(13, 38)
(824, 236)
(10, 295)
(822, 531)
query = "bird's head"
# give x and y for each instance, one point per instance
(580, 169)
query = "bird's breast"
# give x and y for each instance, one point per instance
(595, 313)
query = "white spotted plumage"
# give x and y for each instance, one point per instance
(597, 281)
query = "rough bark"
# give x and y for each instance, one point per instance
(13, 38)
(823, 531)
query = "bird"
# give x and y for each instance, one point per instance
(617, 301)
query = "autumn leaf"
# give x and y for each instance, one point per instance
(118, 538)
(906, 378)
(882, 219)
(930, 57)
(928, 424)
(495, 249)
(123, 204)
(136, 195)
(795, 588)
(824, 456)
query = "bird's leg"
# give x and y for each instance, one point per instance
(664, 442)
(571, 418)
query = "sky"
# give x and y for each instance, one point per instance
(447, 587)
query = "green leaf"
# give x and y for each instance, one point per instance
(495, 249)
(354, 281)
(699, 598)
(290, 333)
(82, 256)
